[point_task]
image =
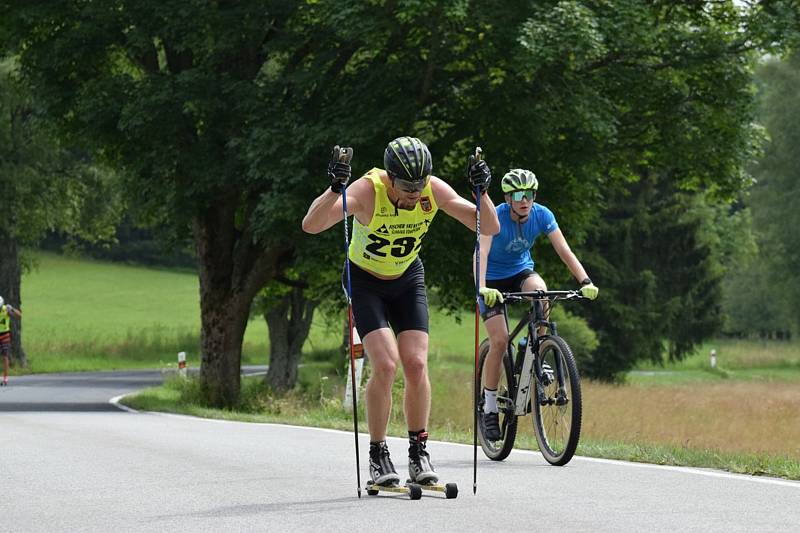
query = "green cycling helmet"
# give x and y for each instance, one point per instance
(519, 179)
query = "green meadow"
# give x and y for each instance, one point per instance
(86, 315)
(81, 314)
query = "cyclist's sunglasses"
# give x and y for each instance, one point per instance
(411, 186)
(517, 196)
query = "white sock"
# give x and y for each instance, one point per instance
(490, 403)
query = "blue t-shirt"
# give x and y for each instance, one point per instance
(511, 248)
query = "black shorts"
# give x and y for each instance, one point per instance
(512, 284)
(401, 303)
(5, 347)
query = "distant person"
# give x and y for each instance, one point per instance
(507, 266)
(6, 312)
(392, 209)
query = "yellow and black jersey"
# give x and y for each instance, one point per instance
(394, 236)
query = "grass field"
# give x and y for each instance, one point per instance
(86, 315)
(741, 416)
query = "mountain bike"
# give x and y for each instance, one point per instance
(547, 384)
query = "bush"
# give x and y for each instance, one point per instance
(576, 331)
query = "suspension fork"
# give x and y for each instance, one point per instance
(537, 321)
(559, 370)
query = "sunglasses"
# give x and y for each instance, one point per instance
(411, 186)
(517, 196)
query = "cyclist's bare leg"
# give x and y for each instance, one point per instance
(498, 340)
(534, 282)
(413, 347)
(381, 348)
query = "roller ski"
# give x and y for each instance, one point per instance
(450, 490)
(420, 469)
(384, 477)
(414, 491)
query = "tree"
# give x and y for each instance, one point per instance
(221, 115)
(774, 198)
(166, 93)
(45, 187)
(664, 291)
(286, 306)
(631, 110)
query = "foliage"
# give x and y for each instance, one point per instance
(662, 286)
(576, 331)
(774, 198)
(168, 94)
(220, 117)
(132, 245)
(46, 185)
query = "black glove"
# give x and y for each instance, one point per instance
(478, 174)
(339, 168)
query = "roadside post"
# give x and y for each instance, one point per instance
(182, 364)
(359, 355)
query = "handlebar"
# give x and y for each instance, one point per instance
(543, 295)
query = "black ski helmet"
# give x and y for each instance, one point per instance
(407, 158)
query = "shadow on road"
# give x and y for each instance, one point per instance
(45, 407)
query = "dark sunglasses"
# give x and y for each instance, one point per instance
(411, 186)
(517, 196)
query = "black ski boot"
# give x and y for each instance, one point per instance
(420, 469)
(381, 469)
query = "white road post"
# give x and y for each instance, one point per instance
(358, 353)
(182, 364)
(713, 358)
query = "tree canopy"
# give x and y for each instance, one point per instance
(220, 116)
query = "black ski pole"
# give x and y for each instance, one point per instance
(478, 153)
(345, 155)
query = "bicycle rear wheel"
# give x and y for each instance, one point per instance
(557, 414)
(498, 450)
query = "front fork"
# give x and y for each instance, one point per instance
(527, 366)
(544, 378)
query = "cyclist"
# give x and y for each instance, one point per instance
(507, 266)
(393, 208)
(6, 312)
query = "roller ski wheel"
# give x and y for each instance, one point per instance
(450, 490)
(3, 383)
(412, 489)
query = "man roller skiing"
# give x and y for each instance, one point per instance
(6, 312)
(392, 209)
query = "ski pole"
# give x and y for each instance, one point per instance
(478, 153)
(345, 155)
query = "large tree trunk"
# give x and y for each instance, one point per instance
(232, 269)
(288, 321)
(10, 281)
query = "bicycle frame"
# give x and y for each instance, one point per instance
(526, 366)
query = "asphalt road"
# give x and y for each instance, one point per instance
(73, 462)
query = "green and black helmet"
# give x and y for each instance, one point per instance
(519, 179)
(408, 159)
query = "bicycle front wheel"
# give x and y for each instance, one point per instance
(499, 449)
(556, 408)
